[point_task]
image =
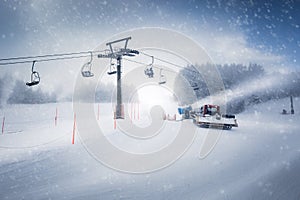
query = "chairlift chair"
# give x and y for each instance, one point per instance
(112, 68)
(35, 77)
(86, 68)
(162, 78)
(149, 72)
(149, 69)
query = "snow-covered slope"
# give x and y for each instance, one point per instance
(258, 160)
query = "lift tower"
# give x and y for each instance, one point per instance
(292, 105)
(118, 53)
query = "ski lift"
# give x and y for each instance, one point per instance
(149, 69)
(35, 77)
(162, 78)
(86, 68)
(112, 68)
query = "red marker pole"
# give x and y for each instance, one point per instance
(134, 109)
(3, 122)
(138, 104)
(131, 112)
(74, 129)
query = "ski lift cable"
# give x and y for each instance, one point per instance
(45, 60)
(48, 57)
(162, 60)
(196, 87)
(73, 55)
(134, 61)
(168, 52)
(168, 62)
(76, 55)
(51, 55)
(143, 64)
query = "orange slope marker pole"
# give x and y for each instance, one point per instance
(74, 129)
(115, 123)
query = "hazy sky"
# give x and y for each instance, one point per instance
(266, 32)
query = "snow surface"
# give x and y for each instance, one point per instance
(258, 160)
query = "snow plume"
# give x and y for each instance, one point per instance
(263, 89)
(244, 86)
(232, 75)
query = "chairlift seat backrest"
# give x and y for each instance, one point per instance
(128, 54)
(32, 83)
(196, 88)
(162, 82)
(112, 72)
